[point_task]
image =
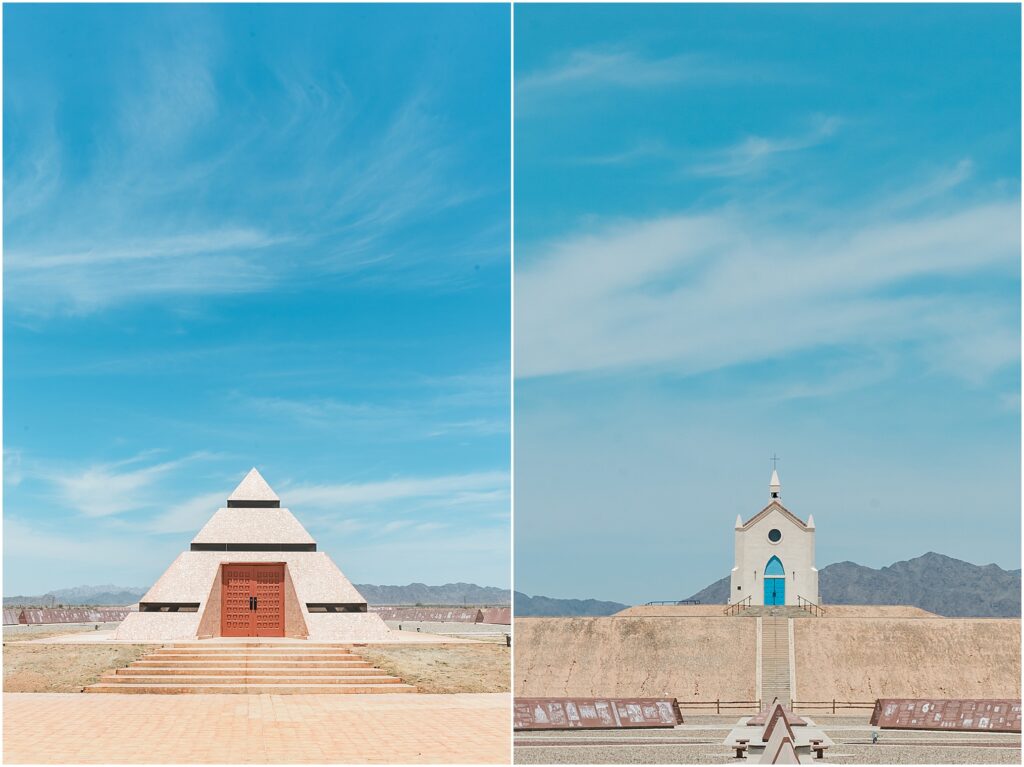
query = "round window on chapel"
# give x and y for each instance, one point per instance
(774, 535)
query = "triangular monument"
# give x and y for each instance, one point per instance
(253, 570)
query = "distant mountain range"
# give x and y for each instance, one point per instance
(448, 594)
(934, 582)
(414, 593)
(81, 595)
(548, 606)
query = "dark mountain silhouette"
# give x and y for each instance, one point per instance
(933, 582)
(448, 594)
(548, 606)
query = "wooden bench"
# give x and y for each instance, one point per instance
(818, 747)
(741, 748)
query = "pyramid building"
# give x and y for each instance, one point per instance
(253, 571)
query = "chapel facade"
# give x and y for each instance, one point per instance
(774, 556)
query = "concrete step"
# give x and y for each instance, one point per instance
(267, 650)
(251, 689)
(254, 670)
(260, 645)
(200, 679)
(365, 670)
(255, 658)
(215, 663)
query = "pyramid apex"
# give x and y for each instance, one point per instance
(253, 492)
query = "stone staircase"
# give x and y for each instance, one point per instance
(249, 667)
(774, 611)
(775, 660)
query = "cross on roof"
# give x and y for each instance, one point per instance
(774, 459)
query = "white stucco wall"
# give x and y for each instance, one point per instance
(753, 550)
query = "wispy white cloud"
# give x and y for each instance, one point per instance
(451, 489)
(189, 515)
(40, 556)
(754, 153)
(138, 225)
(625, 68)
(468, 405)
(641, 151)
(43, 279)
(109, 489)
(12, 467)
(387, 502)
(172, 95)
(698, 292)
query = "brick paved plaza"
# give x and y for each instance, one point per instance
(161, 729)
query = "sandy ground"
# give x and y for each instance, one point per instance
(470, 668)
(31, 667)
(50, 630)
(699, 741)
(481, 631)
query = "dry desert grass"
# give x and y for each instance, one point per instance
(30, 667)
(446, 668)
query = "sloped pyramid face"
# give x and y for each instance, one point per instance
(253, 531)
(253, 492)
(253, 516)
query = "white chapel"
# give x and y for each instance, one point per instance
(774, 556)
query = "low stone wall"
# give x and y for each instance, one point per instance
(876, 611)
(863, 658)
(696, 658)
(675, 611)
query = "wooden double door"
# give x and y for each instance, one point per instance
(252, 600)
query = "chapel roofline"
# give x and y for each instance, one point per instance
(774, 505)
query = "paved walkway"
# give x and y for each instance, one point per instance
(256, 729)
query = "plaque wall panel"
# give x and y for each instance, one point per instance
(986, 715)
(595, 713)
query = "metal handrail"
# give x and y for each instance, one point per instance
(816, 610)
(673, 602)
(736, 607)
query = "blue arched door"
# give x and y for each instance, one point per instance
(774, 582)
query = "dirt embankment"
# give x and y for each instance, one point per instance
(868, 658)
(446, 668)
(695, 658)
(30, 667)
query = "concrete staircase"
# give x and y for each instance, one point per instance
(248, 667)
(774, 611)
(775, 660)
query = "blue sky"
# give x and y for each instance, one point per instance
(748, 229)
(256, 235)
